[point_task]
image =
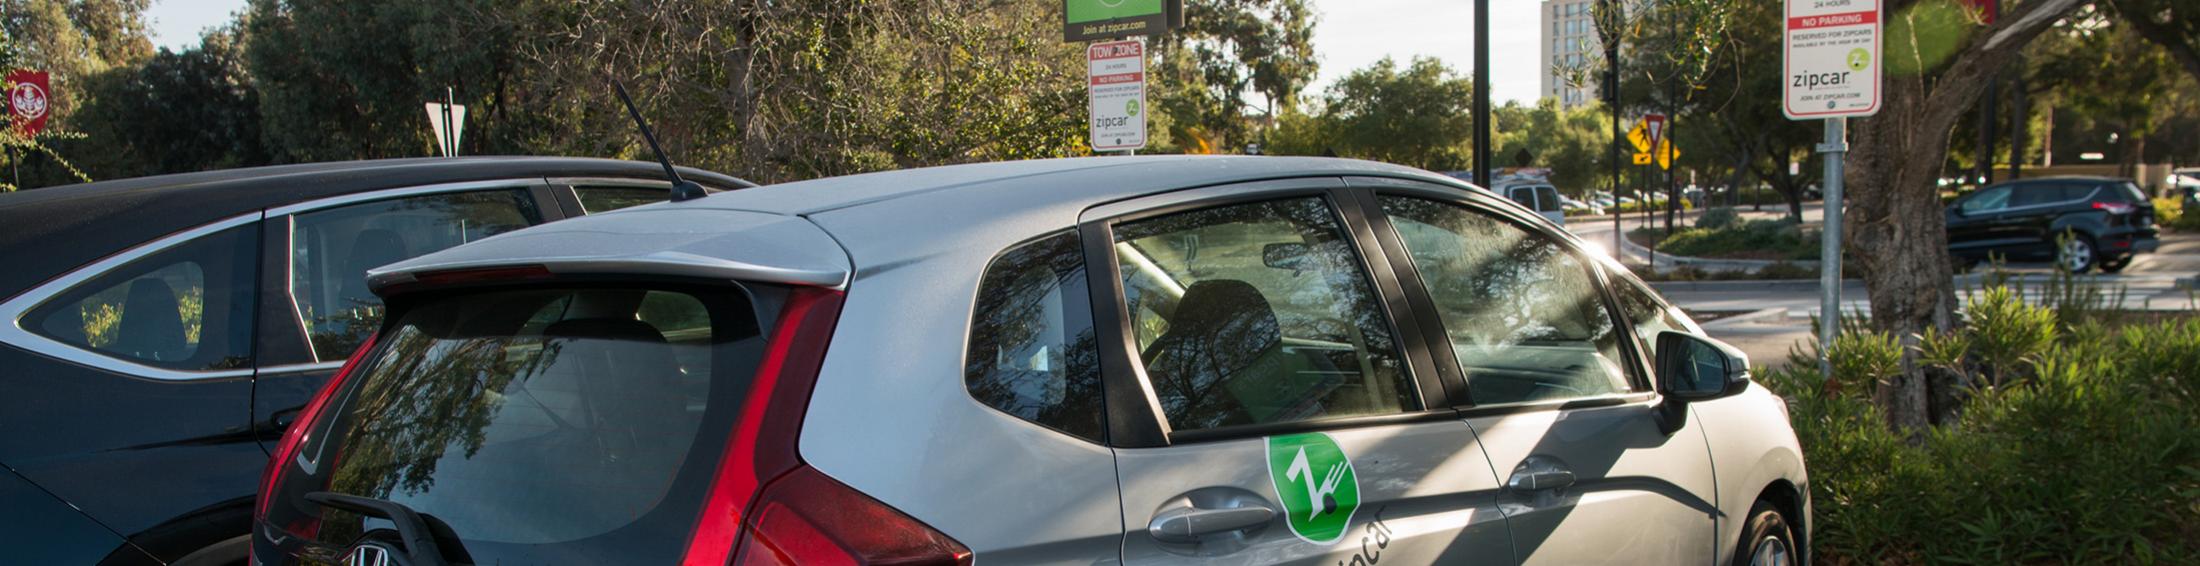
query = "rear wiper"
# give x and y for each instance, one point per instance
(413, 529)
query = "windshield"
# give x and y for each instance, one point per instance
(541, 426)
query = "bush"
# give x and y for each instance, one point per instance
(1717, 218)
(1751, 239)
(2170, 212)
(2094, 459)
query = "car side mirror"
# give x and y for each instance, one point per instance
(1694, 368)
(1290, 256)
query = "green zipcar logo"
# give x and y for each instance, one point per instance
(1315, 482)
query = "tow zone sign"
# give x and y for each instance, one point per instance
(1118, 86)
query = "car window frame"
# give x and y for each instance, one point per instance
(12, 312)
(1637, 364)
(282, 337)
(1135, 418)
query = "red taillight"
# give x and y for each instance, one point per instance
(288, 448)
(763, 443)
(2114, 207)
(806, 518)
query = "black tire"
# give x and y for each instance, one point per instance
(2116, 264)
(2076, 253)
(1767, 528)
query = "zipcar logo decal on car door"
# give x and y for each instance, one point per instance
(1316, 484)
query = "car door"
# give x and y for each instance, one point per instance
(1597, 469)
(2029, 224)
(1283, 417)
(133, 367)
(315, 306)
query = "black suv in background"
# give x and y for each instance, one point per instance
(2081, 223)
(160, 333)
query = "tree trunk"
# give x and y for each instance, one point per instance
(1895, 221)
(1895, 226)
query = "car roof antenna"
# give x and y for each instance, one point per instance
(682, 189)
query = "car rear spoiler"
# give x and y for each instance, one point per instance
(663, 240)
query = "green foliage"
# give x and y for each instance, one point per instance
(1750, 239)
(1718, 218)
(2170, 212)
(2092, 461)
(173, 113)
(1418, 115)
(1925, 35)
(2006, 334)
(1228, 51)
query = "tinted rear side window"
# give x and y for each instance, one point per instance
(1032, 351)
(188, 307)
(543, 426)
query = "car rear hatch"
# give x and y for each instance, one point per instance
(611, 389)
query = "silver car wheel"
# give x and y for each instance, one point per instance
(2077, 255)
(1772, 551)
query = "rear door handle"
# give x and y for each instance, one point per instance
(1188, 524)
(1539, 473)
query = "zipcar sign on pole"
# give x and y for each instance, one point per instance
(1118, 86)
(1832, 59)
(1086, 20)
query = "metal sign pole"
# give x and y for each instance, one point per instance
(450, 128)
(1829, 262)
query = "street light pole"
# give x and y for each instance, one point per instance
(1482, 93)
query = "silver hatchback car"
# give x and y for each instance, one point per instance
(1139, 360)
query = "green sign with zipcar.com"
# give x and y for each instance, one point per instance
(1086, 20)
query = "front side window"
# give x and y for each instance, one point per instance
(1032, 347)
(1649, 315)
(1523, 314)
(331, 251)
(188, 307)
(1257, 313)
(1989, 199)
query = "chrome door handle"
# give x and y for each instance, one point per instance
(1538, 473)
(1187, 524)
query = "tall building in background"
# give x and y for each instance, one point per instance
(1569, 43)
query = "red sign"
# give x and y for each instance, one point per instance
(29, 101)
(1826, 20)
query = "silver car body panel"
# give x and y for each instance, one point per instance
(1639, 496)
(652, 240)
(1753, 451)
(1426, 482)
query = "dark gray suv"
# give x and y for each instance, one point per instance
(2081, 223)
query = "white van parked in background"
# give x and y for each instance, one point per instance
(1537, 195)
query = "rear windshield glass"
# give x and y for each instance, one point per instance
(541, 426)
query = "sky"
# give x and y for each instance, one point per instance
(1350, 34)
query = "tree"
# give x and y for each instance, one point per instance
(1226, 51)
(73, 42)
(1938, 58)
(2110, 76)
(1755, 136)
(175, 113)
(1416, 116)
(2172, 24)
